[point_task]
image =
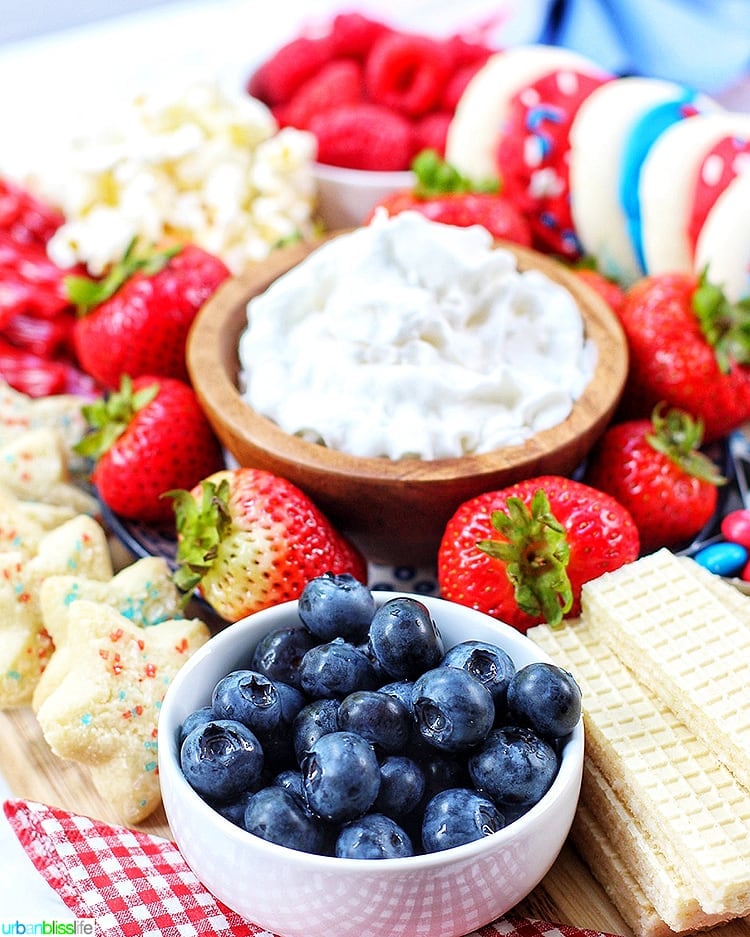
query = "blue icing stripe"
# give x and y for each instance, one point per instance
(643, 134)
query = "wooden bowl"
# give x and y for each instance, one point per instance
(395, 511)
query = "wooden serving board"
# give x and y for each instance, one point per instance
(567, 895)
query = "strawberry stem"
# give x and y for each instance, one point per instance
(86, 293)
(536, 556)
(109, 416)
(678, 436)
(437, 177)
(725, 325)
(201, 525)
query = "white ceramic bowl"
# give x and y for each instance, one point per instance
(297, 894)
(347, 196)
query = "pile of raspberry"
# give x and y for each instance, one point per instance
(374, 96)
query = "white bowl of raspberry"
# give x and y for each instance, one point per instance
(442, 889)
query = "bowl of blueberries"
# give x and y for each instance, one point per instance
(365, 762)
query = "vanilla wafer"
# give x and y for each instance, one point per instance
(662, 885)
(589, 836)
(673, 631)
(689, 802)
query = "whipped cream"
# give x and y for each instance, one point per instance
(409, 338)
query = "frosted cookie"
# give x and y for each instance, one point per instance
(78, 546)
(105, 711)
(661, 883)
(610, 138)
(723, 243)
(664, 624)
(34, 467)
(685, 171)
(143, 592)
(685, 798)
(513, 121)
(20, 413)
(23, 524)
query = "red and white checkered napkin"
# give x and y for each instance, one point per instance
(135, 884)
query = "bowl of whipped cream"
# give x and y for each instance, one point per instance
(396, 369)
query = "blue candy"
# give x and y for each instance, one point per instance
(723, 559)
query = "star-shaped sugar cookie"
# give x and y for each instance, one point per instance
(104, 712)
(34, 467)
(79, 546)
(23, 524)
(143, 592)
(63, 413)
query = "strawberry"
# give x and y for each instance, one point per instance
(148, 437)
(522, 554)
(688, 347)
(609, 290)
(363, 136)
(656, 470)
(248, 539)
(442, 194)
(136, 320)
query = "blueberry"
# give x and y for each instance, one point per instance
(402, 786)
(405, 639)
(382, 719)
(291, 780)
(402, 690)
(337, 606)
(250, 698)
(277, 815)
(314, 720)
(196, 718)
(490, 664)
(234, 811)
(336, 669)
(373, 836)
(442, 771)
(514, 766)
(341, 776)
(221, 759)
(546, 698)
(279, 743)
(452, 709)
(457, 816)
(279, 653)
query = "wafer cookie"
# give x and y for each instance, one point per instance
(624, 891)
(674, 632)
(687, 799)
(662, 884)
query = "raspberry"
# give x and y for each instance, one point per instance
(406, 72)
(353, 34)
(461, 51)
(457, 85)
(278, 77)
(363, 136)
(338, 82)
(431, 130)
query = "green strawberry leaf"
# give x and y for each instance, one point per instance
(678, 436)
(536, 556)
(201, 526)
(109, 416)
(437, 177)
(725, 325)
(86, 293)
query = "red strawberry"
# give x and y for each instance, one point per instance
(656, 470)
(147, 438)
(523, 553)
(276, 80)
(407, 72)
(689, 348)
(612, 293)
(444, 195)
(248, 539)
(337, 82)
(136, 320)
(363, 136)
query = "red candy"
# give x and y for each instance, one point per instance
(736, 527)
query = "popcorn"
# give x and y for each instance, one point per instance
(201, 165)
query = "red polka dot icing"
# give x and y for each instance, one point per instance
(721, 164)
(533, 154)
